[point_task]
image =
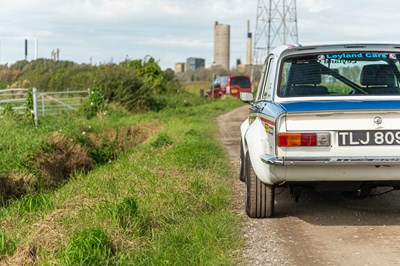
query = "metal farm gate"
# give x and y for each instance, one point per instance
(43, 102)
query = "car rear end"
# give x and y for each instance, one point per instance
(354, 143)
(342, 118)
(238, 84)
(326, 117)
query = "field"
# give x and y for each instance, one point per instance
(150, 189)
(196, 86)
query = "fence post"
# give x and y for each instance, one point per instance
(35, 106)
(42, 104)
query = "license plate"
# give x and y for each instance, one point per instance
(234, 91)
(365, 137)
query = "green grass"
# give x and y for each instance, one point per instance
(196, 86)
(89, 247)
(34, 203)
(7, 246)
(163, 202)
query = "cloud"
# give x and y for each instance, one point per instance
(315, 6)
(170, 29)
(360, 21)
(176, 43)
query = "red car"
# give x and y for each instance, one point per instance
(230, 85)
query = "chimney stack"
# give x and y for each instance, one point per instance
(26, 49)
(249, 44)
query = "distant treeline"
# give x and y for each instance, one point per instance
(134, 84)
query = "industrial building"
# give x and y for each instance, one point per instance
(179, 67)
(222, 44)
(193, 63)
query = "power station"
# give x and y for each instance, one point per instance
(276, 24)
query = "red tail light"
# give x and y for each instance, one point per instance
(303, 139)
(309, 139)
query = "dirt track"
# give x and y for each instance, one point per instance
(322, 229)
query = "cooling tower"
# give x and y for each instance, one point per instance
(222, 44)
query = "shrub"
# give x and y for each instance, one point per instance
(162, 140)
(94, 103)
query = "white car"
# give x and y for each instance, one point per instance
(325, 116)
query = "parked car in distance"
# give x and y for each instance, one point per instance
(230, 85)
(325, 117)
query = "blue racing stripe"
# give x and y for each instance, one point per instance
(343, 105)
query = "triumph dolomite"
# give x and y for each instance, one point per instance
(326, 117)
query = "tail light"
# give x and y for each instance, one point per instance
(304, 139)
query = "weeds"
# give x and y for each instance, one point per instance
(35, 203)
(162, 140)
(89, 247)
(7, 246)
(129, 218)
(127, 211)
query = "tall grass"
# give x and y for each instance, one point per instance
(164, 202)
(7, 246)
(89, 247)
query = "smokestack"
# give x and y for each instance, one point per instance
(36, 48)
(249, 44)
(26, 49)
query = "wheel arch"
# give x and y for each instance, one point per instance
(255, 140)
(243, 130)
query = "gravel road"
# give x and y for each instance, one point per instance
(322, 229)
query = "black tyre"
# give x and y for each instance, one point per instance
(260, 197)
(242, 163)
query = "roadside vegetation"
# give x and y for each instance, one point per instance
(115, 185)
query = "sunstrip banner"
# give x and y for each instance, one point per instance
(344, 56)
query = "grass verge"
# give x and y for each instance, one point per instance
(164, 202)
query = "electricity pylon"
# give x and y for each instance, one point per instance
(276, 24)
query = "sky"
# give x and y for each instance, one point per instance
(104, 31)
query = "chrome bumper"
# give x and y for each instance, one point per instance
(317, 161)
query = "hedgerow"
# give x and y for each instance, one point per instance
(133, 84)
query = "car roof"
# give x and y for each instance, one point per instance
(284, 50)
(234, 76)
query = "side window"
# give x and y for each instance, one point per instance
(268, 83)
(265, 89)
(224, 81)
(264, 75)
(217, 82)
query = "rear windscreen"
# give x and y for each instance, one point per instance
(340, 73)
(242, 82)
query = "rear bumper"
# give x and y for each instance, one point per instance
(331, 161)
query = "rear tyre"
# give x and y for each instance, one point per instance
(242, 162)
(260, 197)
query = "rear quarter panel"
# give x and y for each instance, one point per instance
(259, 137)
